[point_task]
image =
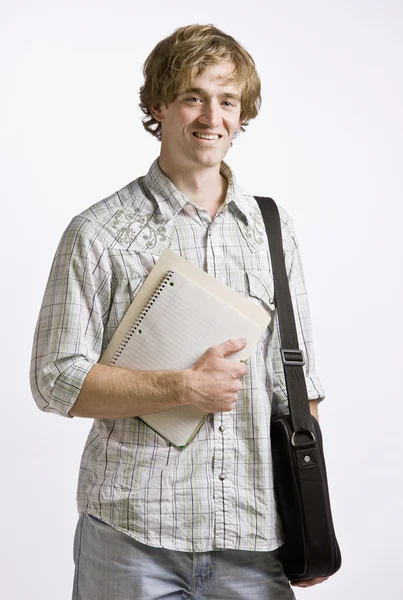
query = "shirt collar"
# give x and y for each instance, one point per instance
(171, 201)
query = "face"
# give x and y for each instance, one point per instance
(211, 106)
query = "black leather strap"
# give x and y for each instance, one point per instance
(298, 403)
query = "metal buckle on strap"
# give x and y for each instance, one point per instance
(307, 433)
(292, 357)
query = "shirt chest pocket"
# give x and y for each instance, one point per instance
(260, 288)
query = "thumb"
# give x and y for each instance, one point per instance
(232, 346)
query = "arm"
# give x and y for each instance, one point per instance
(211, 384)
(69, 331)
(302, 321)
(304, 331)
(313, 407)
(68, 342)
(115, 393)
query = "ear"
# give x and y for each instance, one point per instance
(156, 111)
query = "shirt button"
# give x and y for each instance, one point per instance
(222, 476)
(221, 428)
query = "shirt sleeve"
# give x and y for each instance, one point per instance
(302, 321)
(69, 331)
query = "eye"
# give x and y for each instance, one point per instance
(192, 98)
(228, 103)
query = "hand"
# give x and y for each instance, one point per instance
(309, 582)
(213, 382)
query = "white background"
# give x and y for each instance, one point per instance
(327, 145)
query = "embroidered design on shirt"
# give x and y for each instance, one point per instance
(131, 225)
(256, 229)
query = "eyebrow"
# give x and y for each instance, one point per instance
(204, 93)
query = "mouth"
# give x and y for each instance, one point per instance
(207, 138)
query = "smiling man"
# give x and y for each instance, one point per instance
(156, 521)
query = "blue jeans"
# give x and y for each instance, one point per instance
(110, 565)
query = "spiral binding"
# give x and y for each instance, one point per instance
(141, 316)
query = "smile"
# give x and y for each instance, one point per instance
(205, 136)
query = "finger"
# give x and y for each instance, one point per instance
(245, 368)
(231, 346)
(308, 582)
(236, 386)
(239, 370)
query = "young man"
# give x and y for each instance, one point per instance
(156, 521)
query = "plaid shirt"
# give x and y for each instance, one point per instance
(217, 493)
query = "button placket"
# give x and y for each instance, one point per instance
(223, 467)
(216, 249)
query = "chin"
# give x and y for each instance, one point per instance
(211, 160)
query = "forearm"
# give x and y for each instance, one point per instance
(115, 393)
(313, 407)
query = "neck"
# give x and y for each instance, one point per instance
(205, 187)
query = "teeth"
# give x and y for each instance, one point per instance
(207, 137)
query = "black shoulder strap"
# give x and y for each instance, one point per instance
(292, 356)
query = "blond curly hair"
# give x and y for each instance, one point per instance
(179, 58)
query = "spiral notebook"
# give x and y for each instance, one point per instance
(185, 314)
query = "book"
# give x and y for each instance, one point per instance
(178, 313)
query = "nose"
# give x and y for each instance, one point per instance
(210, 114)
